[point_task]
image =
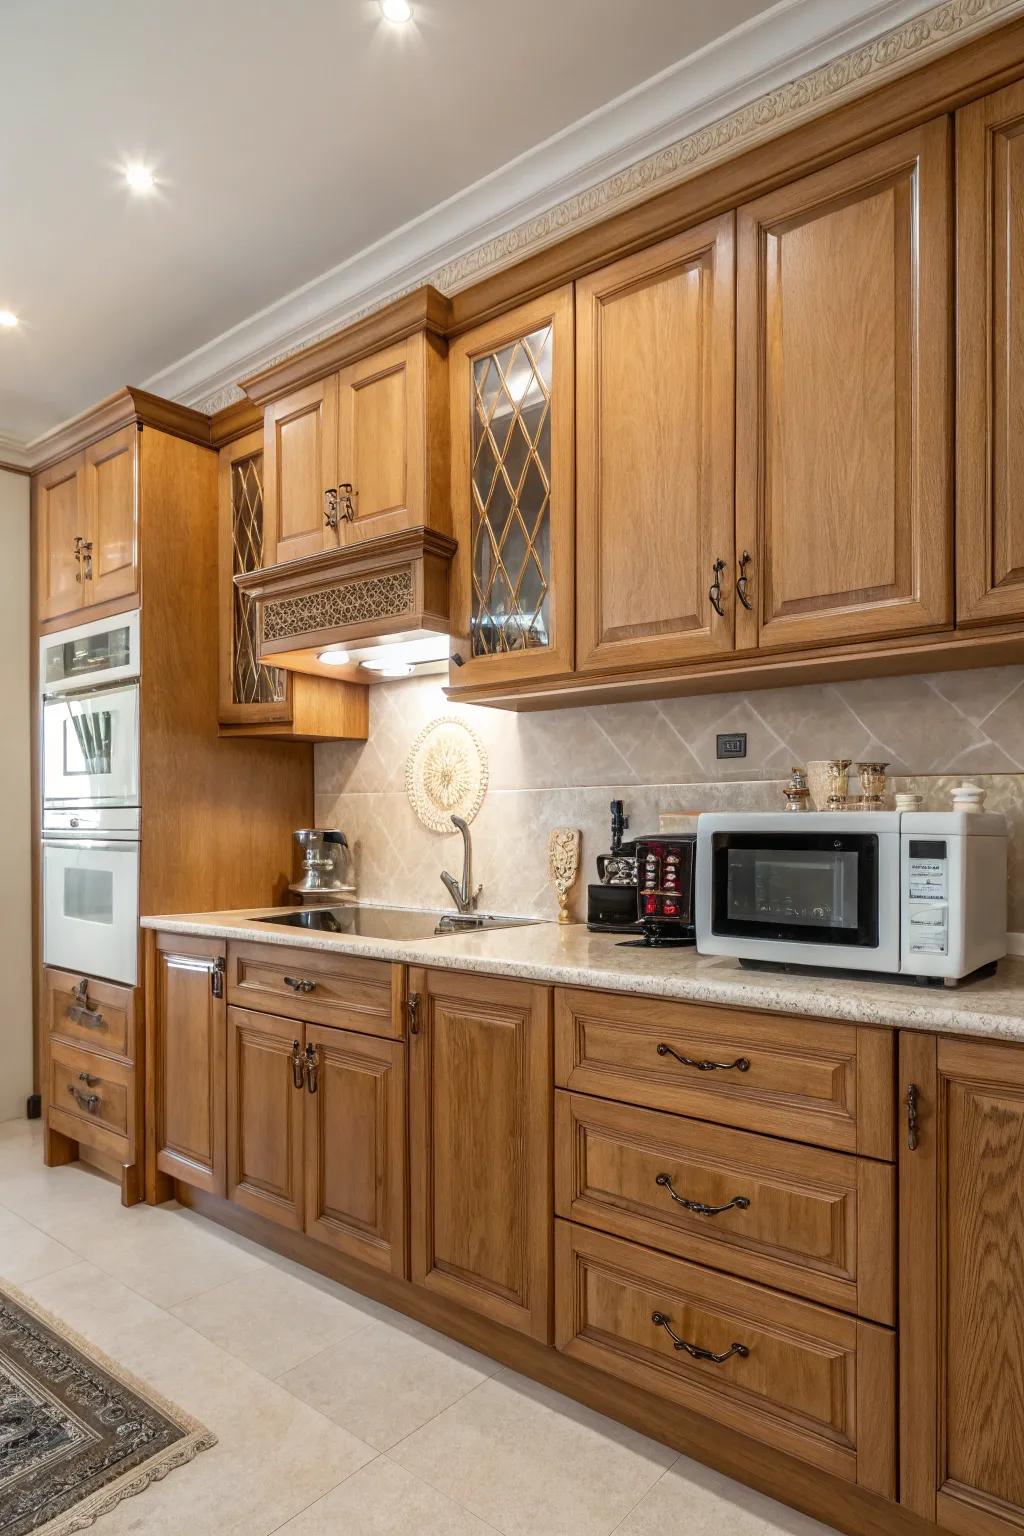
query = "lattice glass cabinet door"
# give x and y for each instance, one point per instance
(248, 690)
(512, 425)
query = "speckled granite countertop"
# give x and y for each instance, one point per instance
(570, 956)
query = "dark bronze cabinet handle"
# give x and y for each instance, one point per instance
(87, 1017)
(298, 1068)
(741, 583)
(412, 1008)
(217, 970)
(912, 1117)
(740, 1202)
(346, 504)
(312, 1068)
(715, 589)
(298, 984)
(694, 1350)
(90, 1102)
(741, 1064)
(83, 554)
(331, 508)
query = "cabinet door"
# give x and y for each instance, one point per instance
(990, 357)
(654, 454)
(480, 1145)
(249, 692)
(300, 437)
(382, 452)
(186, 1042)
(355, 1146)
(512, 402)
(111, 498)
(962, 1284)
(843, 424)
(266, 1093)
(60, 526)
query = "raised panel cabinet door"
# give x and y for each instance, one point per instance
(61, 526)
(112, 499)
(512, 494)
(381, 446)
(266, 1101)
(655, 408)
(480, 1103)
(248, 692)
(186, 1032)
(843, 424)
(355, 1145)
(300, 464)
(990, 357)
(962, 1285)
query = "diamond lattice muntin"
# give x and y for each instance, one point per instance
(511, 489)
(251, 683)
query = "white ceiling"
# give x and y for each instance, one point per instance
(287, 138)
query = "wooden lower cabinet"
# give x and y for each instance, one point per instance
(265, 1105)
(480, 1145)
(185, 1019)
(962, 1284)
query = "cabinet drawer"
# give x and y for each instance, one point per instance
(91, 1089)
(817, 1223)
(96, 1014)
(799, 1377)
(307, 984)
(803, 1079)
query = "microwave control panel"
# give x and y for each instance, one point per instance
(926, 896)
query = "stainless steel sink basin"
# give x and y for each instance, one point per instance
(400, 923)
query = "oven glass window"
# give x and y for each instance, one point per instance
(88, 737)
(89, 895)
(800, 887)
(88, 654)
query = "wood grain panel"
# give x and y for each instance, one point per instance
(811, 1381)
(60, 518)
(111, 488)
(381, 448)
(843, 422)
(300, 462)
(654, 452)
(806, 1080)
(480, 1145)
(355, 1147)
(104, 1023)
(344, 990)
(990, 357)
(93, 1089)
(186, 1055)
(820, 1224)
(265, 1116)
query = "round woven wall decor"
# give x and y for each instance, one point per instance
(446, 773)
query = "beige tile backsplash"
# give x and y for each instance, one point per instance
(563, 767)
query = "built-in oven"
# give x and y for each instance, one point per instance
(91, 748)
(91, 893)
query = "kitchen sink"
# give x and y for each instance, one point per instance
(399, 923)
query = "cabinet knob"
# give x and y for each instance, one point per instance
(412, 1010)
(912, 1094)
(90, 1102)
(299, 984)
(217, 969)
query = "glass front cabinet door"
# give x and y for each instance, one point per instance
(512, 392)
(249, 692)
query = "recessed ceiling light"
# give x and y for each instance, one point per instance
(335, 657)
(8, 319)
(396, 10)
(139, 177)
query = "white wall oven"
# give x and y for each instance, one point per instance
(91, 817)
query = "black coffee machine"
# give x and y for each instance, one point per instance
(611, 904)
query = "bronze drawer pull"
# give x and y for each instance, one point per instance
(299, 984)
(741, 1064)
(694, 1350)
(298, 1067)
(715, 589)
(697, 1206)
(331, 508)
(312, 1067)
(346, 506)
(412, 1008)
(912, 1117)
(87, 1017)
(741, 584)
(90, 1102)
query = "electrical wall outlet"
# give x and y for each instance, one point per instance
(734, 745)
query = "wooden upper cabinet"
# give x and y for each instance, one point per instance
(60, 528)
(185, 1026)
(990, 357)
(962, 1285)
(111, 497)
(480, 1103)
(300, 438)
(843, 425)
(654, 454)
(512, 406)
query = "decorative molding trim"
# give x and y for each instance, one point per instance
(770, 75)
(363, 601)
(446, 773)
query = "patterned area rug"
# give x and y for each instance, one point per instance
(77, 1434)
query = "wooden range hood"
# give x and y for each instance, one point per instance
(387, 590)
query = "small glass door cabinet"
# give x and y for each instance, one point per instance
(512, 495)
(249, 692)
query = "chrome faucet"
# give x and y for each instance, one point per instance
(464, 896)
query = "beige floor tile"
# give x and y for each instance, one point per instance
(534, 1463)
(387, 1380)
(384, 1500)
(693, 1498)
(175, 1262)
(273, 1320)
(93, 1303)
(26, 1253)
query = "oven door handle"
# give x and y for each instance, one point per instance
(111, 845)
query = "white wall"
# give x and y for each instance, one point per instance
(15, 802)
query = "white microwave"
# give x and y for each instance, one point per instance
(915, 893)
